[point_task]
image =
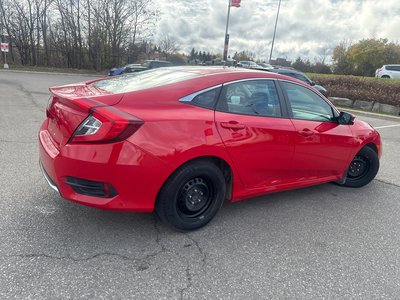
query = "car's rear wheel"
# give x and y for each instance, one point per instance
(192, 196)
(363, 168)
(385, 76)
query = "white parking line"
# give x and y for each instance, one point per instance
(387, 126)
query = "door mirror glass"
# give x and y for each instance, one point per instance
(345, 118)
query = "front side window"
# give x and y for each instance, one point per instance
(306, 104)
(253, 97)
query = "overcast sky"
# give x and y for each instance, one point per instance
(306, 28)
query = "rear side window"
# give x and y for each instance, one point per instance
(253, 97)
(393, 68)
(207, 99)
(143, 80)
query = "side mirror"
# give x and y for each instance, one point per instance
(345, 118)
(312, 83)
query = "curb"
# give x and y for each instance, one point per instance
(370, 114)
(366, 106)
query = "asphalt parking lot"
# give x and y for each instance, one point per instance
(323, 242)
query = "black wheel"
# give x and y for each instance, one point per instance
(385, 76)
(363, 168)
(192, 196)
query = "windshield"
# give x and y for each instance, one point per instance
(146, 64)
(143, 80)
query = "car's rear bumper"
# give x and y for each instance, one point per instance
(48, 179)
(133, 176)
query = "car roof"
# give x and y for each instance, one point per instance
(183, 80)
(211, 70)
(282, 70)
(135, 65)
(163, 61)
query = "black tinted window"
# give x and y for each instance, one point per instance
(207, 99)
(306, 104)
(255, 97)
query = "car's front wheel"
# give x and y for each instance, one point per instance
(363, 168)
(192, 195)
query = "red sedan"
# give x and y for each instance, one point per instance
(181, 140)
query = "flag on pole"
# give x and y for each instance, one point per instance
(235, 3)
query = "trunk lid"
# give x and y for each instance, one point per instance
(70, 105)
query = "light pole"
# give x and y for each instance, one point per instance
(235, 3)
(226, 43)
(273, 38)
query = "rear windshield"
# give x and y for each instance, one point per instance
(143, 80)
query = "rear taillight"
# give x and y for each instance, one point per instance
(52, 100)
(104, 125)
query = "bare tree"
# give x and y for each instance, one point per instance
(168, 46)
(77, 33)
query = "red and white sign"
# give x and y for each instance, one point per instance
(4, 47)
(235, 3)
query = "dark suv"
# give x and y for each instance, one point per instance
(152, 64)
(147, 65)
(301, 76)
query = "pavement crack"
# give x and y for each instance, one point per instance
(141, 264)
(188, 282)
(201, 251)
(386, 182)
(189, 273)
(30, 97)
(69, 257)
(158, 234)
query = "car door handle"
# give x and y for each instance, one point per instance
(306, 132)
(232, 125)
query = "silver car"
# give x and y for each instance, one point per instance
(388, 71)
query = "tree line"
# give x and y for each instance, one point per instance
(98, 34)
(364, 57)
(93, 34)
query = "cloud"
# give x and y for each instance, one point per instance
(305, 28)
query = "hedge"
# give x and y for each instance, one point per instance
(386, 91)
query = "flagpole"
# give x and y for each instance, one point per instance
(226, 43)
(273, 39)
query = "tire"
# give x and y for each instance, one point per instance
(386, 76)
(363, 168)
(192, 195)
